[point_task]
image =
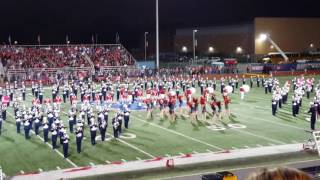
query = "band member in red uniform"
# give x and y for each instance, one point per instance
(203, 102)
(148, 102)
(180, 99)
(194, 110)
(160, 102)
(171, 105)
(86, 98)
(216, 110)
(109, 98)
(227, 101)
(241, 93)
(47, 101)
(97, 99)
(73, 99)
(35, 101)
(58, 101)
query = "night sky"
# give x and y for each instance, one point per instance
(53, 20)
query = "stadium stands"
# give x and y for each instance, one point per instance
(22, 57)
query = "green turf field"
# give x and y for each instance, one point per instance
(251, 125)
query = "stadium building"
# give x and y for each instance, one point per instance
(290, 34)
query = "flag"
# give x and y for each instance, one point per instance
(9, 39)
(38, 38)
(117, 38)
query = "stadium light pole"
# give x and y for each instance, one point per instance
(145, 45)
(157, 34)
(263, 37)
(194, 44)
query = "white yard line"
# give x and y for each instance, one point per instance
(247, 147)
(167, 155)
(40, 170)
(181, 154)
(139, 159)
(177, 133)
(59, 153)
(261, 137)
(195, 152)
(58, 168)
(123, 160)
(22, 172)
(209, 151)
(258, 145)
(273, 122)
(108, 162)
(134, 147)
(234, 148)
(92, 164)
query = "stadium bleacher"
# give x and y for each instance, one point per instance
(21, 57)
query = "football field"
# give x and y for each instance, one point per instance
(251, 125)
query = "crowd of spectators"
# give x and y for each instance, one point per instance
(112, 56)
(18, 57)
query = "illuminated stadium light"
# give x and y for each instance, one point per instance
(272, 47)
(263, 37)
(311, 45)
(239, 50)
(184, 49)
(211, 49)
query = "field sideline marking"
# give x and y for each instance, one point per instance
(273, 122)
(177, 133)
(92, 164)
(280, 110)
(261, 137)
(209, 151)
(134, 147)
(67, 159)
(237, 169)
